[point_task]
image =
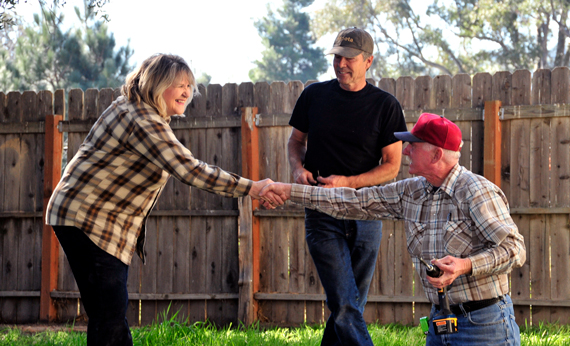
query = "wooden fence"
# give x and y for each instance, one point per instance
(225, 260)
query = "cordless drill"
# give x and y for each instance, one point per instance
(445, 322)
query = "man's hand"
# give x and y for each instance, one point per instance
(303, 177)
(257, 186)
(276, 194)
(452, 267)
(334, 181)
(256, 189)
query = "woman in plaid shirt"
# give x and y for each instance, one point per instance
(99, 208)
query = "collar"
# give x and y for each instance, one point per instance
(448, 185)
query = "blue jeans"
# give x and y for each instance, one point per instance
(102, 282)
(344, 253)
(494, 325)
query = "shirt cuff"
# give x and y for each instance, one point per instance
(479, 264)
(301, 194)
(243, 187)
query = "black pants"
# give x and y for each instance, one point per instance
(102, 282)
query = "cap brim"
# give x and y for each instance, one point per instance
(345, 52)
(407, 137)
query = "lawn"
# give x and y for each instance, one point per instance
(172, 332)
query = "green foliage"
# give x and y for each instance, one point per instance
(459, 36)
(41, 56)
(8, 13)
(204, 79)
(289, 54)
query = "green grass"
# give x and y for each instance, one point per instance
(173, 332)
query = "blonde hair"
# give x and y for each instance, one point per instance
(149, 81)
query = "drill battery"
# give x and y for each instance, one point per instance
(445, 324)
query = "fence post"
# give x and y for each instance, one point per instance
(50, 244)
(492, 143)
(249, 223)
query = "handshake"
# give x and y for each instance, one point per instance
(270, 193)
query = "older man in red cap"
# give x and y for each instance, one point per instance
(453, 217)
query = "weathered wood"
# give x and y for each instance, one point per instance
(560, 270)
(502, 88)
(541, 87)
(424, 97)
(250, 169)
(492, 166)
(560, 79)
(442, 91)
(521, 94)
(461, 91)
(388, 85)
(50, 245)
(198, 267)
(245, 236)
(404, 274)
(520, 277)
(520, 170)
(538, 263)
(482, 89)
(149, 311)
(405, 88)
(386, 272)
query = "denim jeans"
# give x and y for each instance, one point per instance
(102, 282)
(344, 253)
(494, 325)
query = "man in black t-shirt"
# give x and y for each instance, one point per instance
(342, 130)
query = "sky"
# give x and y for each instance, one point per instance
(217, 37)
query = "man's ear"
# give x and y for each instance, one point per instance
(437, 155)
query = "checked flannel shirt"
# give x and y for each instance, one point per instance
(111, 184)
(466, 217)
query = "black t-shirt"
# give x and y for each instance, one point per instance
(346, 130)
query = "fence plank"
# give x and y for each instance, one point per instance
(388, 85)
(520, 277)
(386, 271)
(442, 91)
(164, 264)
(14, 158)
(559, 85)
(214, 267)
(149, 271)
(404, 275)
(30, 177)
(424, 96)
(538, 262)
(502, 88)
(560, 197)
(197, 309)
(541, 88)
(560, 247)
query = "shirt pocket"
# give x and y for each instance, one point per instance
(457, 238)
(414, 238)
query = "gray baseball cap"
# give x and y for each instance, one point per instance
(352, 42)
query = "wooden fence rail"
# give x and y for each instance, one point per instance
(225, 260)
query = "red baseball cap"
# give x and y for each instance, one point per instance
(434, 129)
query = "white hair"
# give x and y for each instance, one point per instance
(448, 155)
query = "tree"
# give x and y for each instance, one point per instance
(289, 54)
(7, 14)
(204, 79)
(456, 36)
(42, 56)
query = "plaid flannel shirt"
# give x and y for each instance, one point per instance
(111, 184)
(466, 217)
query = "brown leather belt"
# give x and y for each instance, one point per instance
(473, 305)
